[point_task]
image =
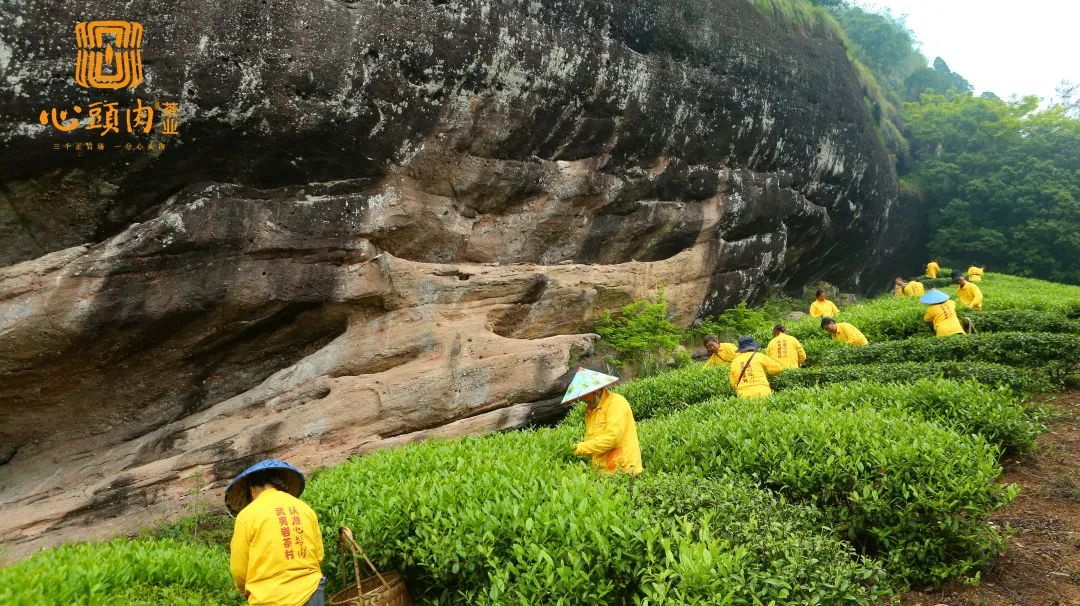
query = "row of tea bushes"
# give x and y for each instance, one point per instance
(912, 493)
(1032, 350)
(498, 520)
(1021, 381)
(122, 571)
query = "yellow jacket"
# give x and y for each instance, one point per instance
(821, 309)
(786, 350)
(724, 355)
(611, 436)
(932, 269)
(970, 295)
(276, 549)
(754, 383)
(943, 315)
(911, 289)
(975, 274)
(849, 334)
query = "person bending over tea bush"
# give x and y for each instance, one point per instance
(276, 545)
(969, 294)
(722, 353)
(975, 272)
(750, 368)
(941, 312)
(844, 332)
(785, 349)
(908, 289)
(610, 433)
(932, 269)
(822, 306)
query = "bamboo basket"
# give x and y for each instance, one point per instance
(382, 589)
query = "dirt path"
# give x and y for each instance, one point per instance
(1042, 563)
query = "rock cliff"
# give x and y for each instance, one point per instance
(387, 220)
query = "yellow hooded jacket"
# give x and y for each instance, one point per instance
(932, 269)
(943, 315)
(755, 382)
(723, 356)
(275, 550)
(975, 274)
(970, 295)
(849, 334)
(786, 350)
(611, 436)
(821, 309)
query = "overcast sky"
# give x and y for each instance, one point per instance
(1009, 47)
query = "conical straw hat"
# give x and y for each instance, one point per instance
(587, 381)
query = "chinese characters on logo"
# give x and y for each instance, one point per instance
(110, 57)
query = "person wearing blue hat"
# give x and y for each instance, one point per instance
(941, 312)
(610, 432)
(750, 370)
(276, 547)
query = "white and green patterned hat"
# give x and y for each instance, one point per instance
(585, 382)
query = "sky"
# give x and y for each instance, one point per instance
(1008, 47)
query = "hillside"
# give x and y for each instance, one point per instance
(871, 470)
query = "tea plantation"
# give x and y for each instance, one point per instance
(870, 470)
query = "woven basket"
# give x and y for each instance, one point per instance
(383, 589)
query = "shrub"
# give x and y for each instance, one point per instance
(911, 492)
(641, 334)
(1013, 348)
(1022, 381)
(674, 390)
(1026, 320)
(969, 407)
(489, 520)
(725, 541)
(121, 571)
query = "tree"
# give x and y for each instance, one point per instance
(1002, 180)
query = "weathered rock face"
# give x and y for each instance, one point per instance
(387, 220)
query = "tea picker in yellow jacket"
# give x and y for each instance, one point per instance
(968, 293)
(822, 306)
(975, 273)
(750, 368)
(844, 331)
(785, 349)
(932, 269)
(610, 433)
(941, 312)
(276, 544)
(722, 353)
(909, 289)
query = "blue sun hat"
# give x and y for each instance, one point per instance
(236, 495)
(748, 344)
(585, 382)
(933, 297)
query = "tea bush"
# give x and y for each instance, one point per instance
(1026, 320)
(1012, 348)
(488, 520)
(967, 406)
(500, 520)
(910, 492)
(121, 571)
(1023, 381)
(725, 541)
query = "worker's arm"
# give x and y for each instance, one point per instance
(733, 374)
(238, 554)
(976, 297)
(929, 315)
(835, 309)
(771, 366)
(605, 441)
(801, 352)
